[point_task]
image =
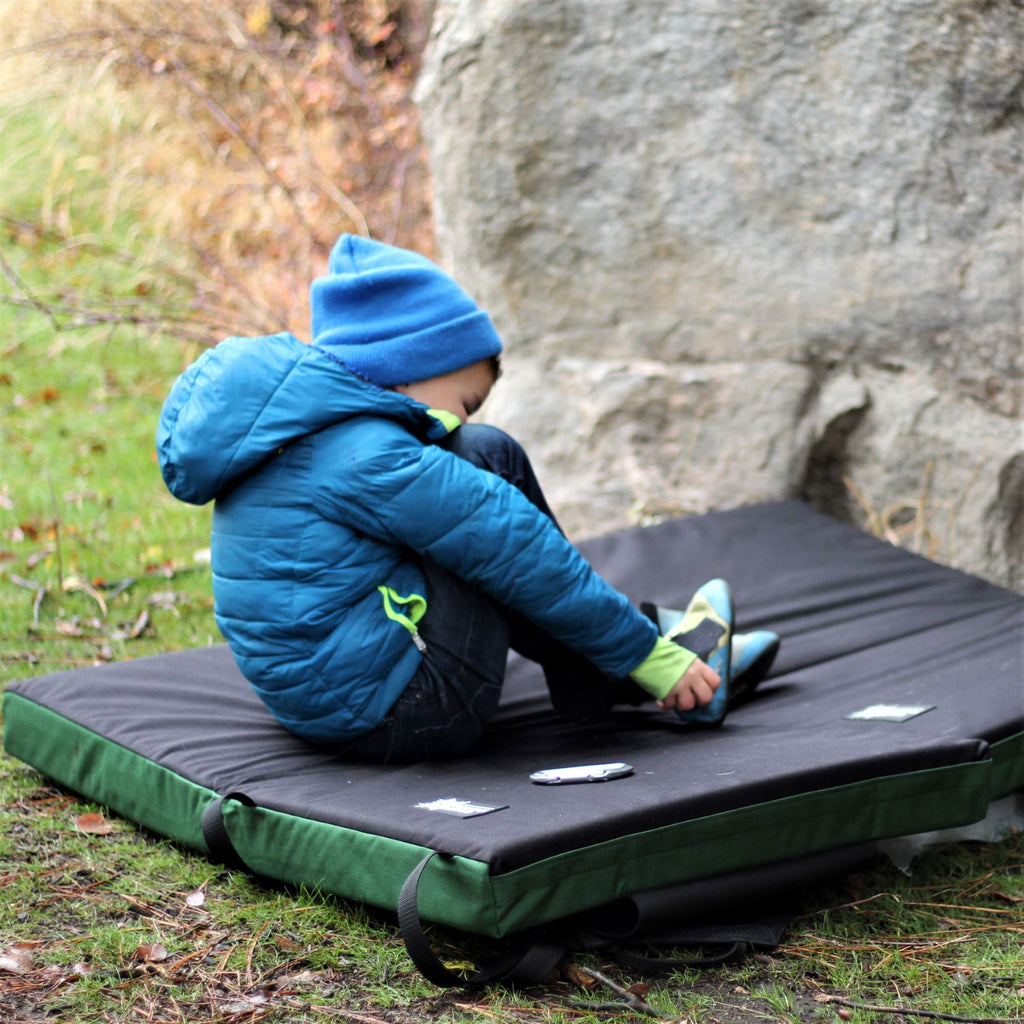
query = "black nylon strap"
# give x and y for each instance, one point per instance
(527, 964)
(215, 834)
(653, 964)
(734, 939)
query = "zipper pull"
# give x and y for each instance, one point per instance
(421, 645)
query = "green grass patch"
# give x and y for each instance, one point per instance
(98, 560)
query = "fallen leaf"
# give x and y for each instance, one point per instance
(29, 529)
(459, 965)
(295, 982)
(94, 824)
(196, 898)
(151, 953)
(117, 588)
(246, 1003)
(166, 600)
(77, 497)
(16, 960)
(75, 582)
(575, 976)
(34, 559)
(132, 630)
(1009, 899)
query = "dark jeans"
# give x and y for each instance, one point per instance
(446, 706)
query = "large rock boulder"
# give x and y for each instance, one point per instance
(743, 250)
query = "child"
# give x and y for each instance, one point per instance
(374, 557)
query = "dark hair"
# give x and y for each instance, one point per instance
(496, 366)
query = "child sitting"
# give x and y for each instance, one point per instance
(374, 557)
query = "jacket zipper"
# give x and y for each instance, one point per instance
(406, 621)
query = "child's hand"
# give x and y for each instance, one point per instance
(695, 689)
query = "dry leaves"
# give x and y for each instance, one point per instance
(17, 959)
(151, 953)
(196, 898)
(93, 824)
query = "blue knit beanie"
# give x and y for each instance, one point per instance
(394, 317)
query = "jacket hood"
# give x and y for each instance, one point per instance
(247, 397)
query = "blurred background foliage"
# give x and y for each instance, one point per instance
(224, 146)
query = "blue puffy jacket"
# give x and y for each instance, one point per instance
(325, 487)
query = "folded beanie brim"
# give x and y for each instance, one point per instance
(386, 362)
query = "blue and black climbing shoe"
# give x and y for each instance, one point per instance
(706, 629)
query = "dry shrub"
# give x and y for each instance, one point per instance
(257, 131)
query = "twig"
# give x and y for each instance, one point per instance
(59, 43)
(346, 1014)
(612, 1007)
(341, 200)
(874, 524)
(56, 532)
(954, 508)
(232, 279)
(933, 1014)
(398, 177)
(252, 952)
(350, 69)
(28, 298)
(227, 122)
(39, 592)
(84, 318)
(634, 1002)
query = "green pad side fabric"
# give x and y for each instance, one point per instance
(748, 836)
(105, 772)
(461, 892)
(1008, 764)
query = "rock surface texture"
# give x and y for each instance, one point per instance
(743, 251)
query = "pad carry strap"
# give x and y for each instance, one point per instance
(653, 964)
(215, 834)
(527, 964)
(737, 938)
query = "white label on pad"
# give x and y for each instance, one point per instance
(459, 808)
(890, 712)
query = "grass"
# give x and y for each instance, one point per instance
(98, 562)
(105, 301)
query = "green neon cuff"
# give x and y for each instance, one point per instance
(663, 667)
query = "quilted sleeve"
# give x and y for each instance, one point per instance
(372, 475)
